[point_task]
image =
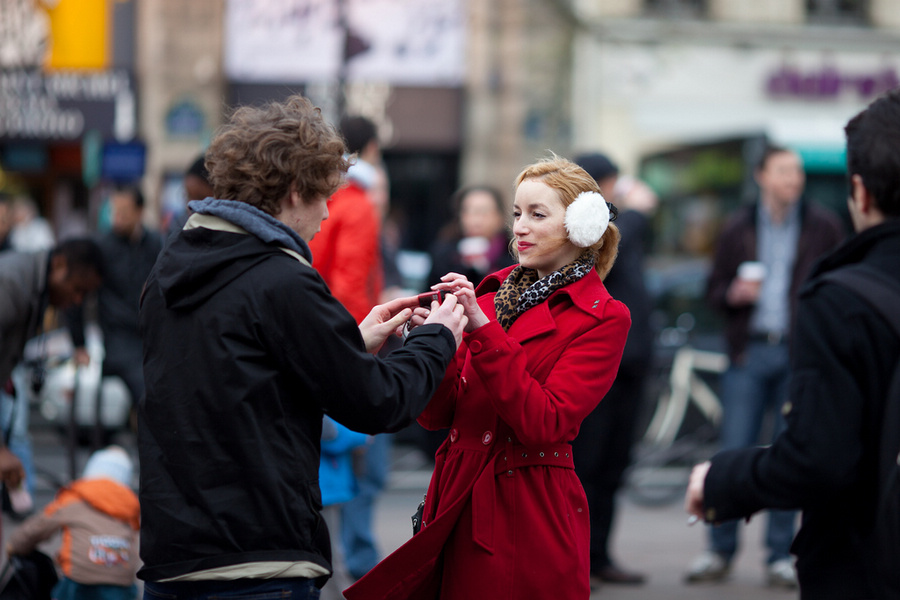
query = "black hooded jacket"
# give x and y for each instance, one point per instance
(244, 349)
(825, 462)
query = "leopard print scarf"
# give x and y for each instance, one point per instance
(522, 289)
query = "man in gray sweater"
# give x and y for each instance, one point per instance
(29, 283)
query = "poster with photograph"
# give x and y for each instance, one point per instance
(402, 42)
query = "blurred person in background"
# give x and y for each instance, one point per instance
(505, 515)
(835, 460)
(129, 252)
(99, 518)
(26, 231)
(476, 242)
(30, 282)
(196, 180)
(30, 231)
(245, 351)
(764, 253)
(602, 449)
(339, 485)
(196, 187)
(346, 251)
(389, 240)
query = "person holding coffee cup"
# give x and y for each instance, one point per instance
(763, 255)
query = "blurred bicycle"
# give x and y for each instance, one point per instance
(683, 425)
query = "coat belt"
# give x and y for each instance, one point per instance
(516, 456)
(513, 456)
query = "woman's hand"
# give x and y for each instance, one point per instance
(451, 315)
(464, 291)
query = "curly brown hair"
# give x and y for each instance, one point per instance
(263, 153)
(569, 180)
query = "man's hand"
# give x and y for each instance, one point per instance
(693, 498)
(11, 471)
(742, 293)
(385, 319)
(451, 315)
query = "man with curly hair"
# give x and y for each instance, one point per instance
(245, 350)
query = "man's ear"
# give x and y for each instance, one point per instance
(860, 195)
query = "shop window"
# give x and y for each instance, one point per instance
(851, 12)
(676, 8)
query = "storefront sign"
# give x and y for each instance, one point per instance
(829, 83)
(63, 105)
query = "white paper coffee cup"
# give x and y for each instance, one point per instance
(751, 271)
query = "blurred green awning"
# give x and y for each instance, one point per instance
(823, 159)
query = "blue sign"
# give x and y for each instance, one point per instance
(184, 119)
(123, 162)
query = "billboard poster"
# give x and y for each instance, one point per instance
(402, 42)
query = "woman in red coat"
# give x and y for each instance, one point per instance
(505, 515)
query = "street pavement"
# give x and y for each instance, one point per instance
(654, 540)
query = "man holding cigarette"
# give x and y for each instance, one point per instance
(763, 255)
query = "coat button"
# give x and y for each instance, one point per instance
(475, 346)
(454, 435)
(487, 438)
(464, 382)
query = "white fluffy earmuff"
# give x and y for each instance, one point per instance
(587, 219)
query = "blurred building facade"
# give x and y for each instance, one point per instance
(463, 91)
(685, 93)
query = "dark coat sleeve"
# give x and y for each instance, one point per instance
(838, 368)
(322, 345)
(732, 248)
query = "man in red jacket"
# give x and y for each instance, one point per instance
(346, 251)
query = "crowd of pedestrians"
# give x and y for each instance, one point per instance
(269, 348)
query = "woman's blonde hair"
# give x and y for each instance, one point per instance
(569, 180)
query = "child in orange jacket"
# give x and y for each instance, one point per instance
(99, 516)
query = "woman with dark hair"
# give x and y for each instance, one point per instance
(477, 241)
(505, 515)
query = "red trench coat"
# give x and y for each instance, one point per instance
(505, 515)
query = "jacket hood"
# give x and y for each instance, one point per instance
(105, 495)
(200, 261)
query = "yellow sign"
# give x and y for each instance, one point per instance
(80, 34)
